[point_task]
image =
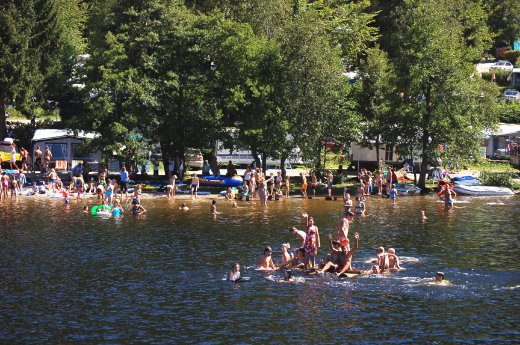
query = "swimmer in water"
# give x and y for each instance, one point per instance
(85, 209)
(235, 204)
(117, 210)
(439, 278)
(382, 259)
(234, 274)
(287, 275)
(137, 209)
(393, 260)
(423, 215)
(214, 211)
(375, 269)
(183, 207)
(286, 256)
(265, 262)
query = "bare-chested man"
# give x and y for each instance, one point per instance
(449, 195)
(345, 259)
(393, 260)
(300, 234)
(47, 157)
(342, 229)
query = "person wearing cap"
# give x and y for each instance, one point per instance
(286, 256)
(439, 278)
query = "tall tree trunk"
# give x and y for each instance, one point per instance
(424, 159)
(282, 165)
(377, 153)
(3, 125)
(264, 162)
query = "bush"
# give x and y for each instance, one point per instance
(499, 179)
(512, 56)
(500, 77)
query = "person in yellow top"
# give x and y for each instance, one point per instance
(439, 279)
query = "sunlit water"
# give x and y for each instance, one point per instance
(69, 277)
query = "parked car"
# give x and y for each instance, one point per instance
(512, 95)
(502, 65)
(194, 158)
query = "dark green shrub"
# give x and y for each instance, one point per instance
(499, 179)
(512, 56)
(500, 77)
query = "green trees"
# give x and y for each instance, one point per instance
(443, 101)
(38, 41)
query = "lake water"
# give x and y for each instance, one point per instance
(69, 277)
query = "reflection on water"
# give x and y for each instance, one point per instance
(68, 277)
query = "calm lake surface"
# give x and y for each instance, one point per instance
(69, 277)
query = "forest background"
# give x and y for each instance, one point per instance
(179, 74)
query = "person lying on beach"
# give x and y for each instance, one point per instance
(265, 262)
(393, 260)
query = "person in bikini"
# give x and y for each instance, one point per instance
(312, 242)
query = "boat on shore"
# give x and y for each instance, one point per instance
(470, 185)
(220, 181)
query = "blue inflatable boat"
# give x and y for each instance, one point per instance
(221, 181)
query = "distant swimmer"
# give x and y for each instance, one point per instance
(423, 215)
(439, 279)
(183, 207)
(287, 275)
(265, 262)
(234, 274)
(393, 260)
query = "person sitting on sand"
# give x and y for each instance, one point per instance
(234, 274)
(265, 262)
(183, 207)
(286, 256)
(345, 261)
(393, 260)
